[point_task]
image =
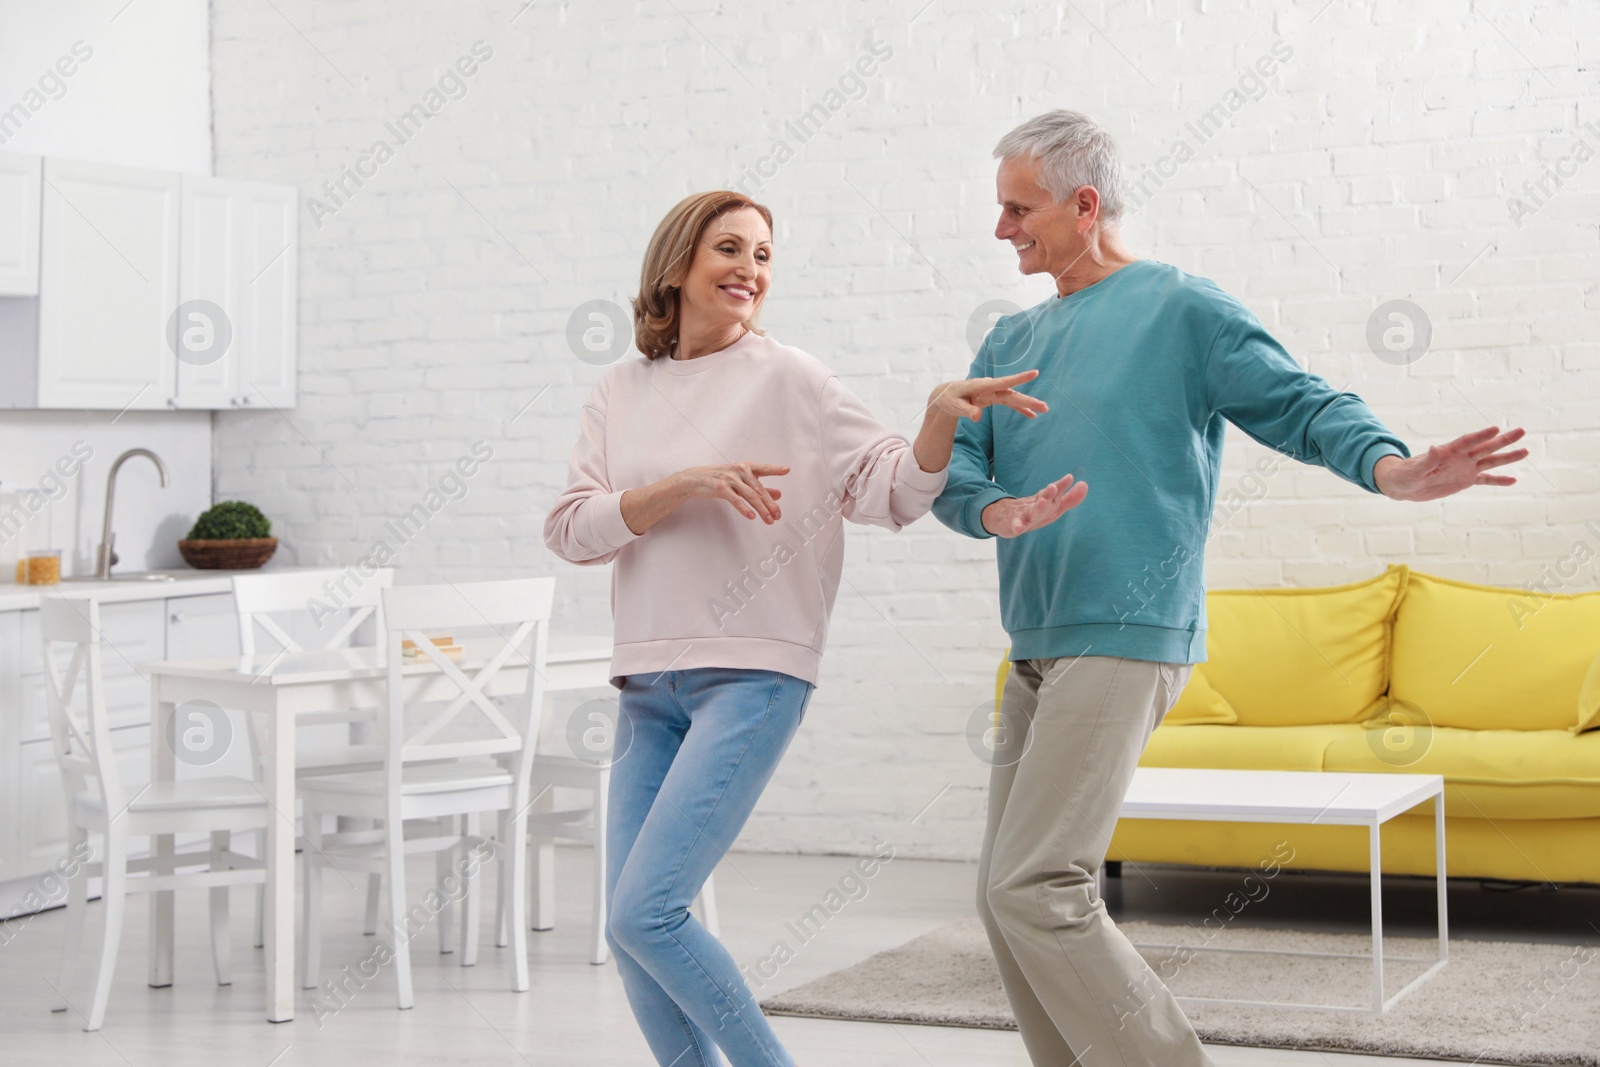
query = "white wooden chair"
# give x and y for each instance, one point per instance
(437, 771)
(260, 597)
(288, 610)
(98, 803)
(587, 823)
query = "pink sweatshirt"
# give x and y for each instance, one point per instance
(705, 586)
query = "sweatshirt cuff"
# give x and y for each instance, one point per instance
(972, 514)
(913, 477)
(606, 523)
(1369, 461)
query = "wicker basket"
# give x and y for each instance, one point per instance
(242, 554)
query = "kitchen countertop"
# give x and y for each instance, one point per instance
(185, 582)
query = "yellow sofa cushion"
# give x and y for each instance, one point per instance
(1243, 748)
(1200, 704)
(1488, 658)
(1298, 657)
(1589, 699)
(1489, 774)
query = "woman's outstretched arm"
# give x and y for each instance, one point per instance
(952, 401)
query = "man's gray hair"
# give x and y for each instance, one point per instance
(1072, 150)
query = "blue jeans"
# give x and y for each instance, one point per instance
(695, 748)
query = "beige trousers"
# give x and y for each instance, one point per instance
(1081, 993)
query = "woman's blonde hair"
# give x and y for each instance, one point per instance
(667, 261)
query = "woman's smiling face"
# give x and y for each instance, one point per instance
(732, 269)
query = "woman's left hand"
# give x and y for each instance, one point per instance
(968, 397)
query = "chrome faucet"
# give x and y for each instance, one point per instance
(106, 555)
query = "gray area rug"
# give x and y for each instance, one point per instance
(1496, 1002)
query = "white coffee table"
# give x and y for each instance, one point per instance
(1309, 797)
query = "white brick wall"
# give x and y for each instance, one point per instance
(1375, 164)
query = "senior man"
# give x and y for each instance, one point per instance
(1142, 365)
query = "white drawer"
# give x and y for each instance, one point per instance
(202, 627)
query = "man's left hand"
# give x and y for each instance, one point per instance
(1445, 470)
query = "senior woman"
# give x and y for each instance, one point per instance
(721, 604)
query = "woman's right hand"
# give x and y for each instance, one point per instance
(739, 484)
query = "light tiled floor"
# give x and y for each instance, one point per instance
(575, 1013)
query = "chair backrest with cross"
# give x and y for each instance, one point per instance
(458, 715)
(80, 732)
(317, 598)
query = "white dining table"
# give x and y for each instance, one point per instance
(289, 691)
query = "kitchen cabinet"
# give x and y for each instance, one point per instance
(200, 627)
(237, 277)
(108, 282)
(41, 808)
(154, 290)
(10, 730)
(20, 183)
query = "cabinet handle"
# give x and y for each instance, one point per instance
(176, 616)
(245, 400)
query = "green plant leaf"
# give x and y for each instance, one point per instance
(231, 520)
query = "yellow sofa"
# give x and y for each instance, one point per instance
(1498, 690)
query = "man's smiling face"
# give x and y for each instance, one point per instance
(1044, 233)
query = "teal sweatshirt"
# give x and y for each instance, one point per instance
(1141, 371)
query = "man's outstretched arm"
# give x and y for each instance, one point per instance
(1258, 387)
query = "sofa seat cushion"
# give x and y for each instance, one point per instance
(1489, 774)
(1200, 703)
(1298, 657)
(1488, 658)
(1243, 748)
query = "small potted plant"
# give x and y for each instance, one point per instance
(232, 535)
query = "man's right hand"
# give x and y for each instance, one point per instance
(1015, 516)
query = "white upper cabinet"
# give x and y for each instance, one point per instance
(205, 341)
(270, 303)
(20, 182)
(235, 335)
(151, 290)
(108, 283)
